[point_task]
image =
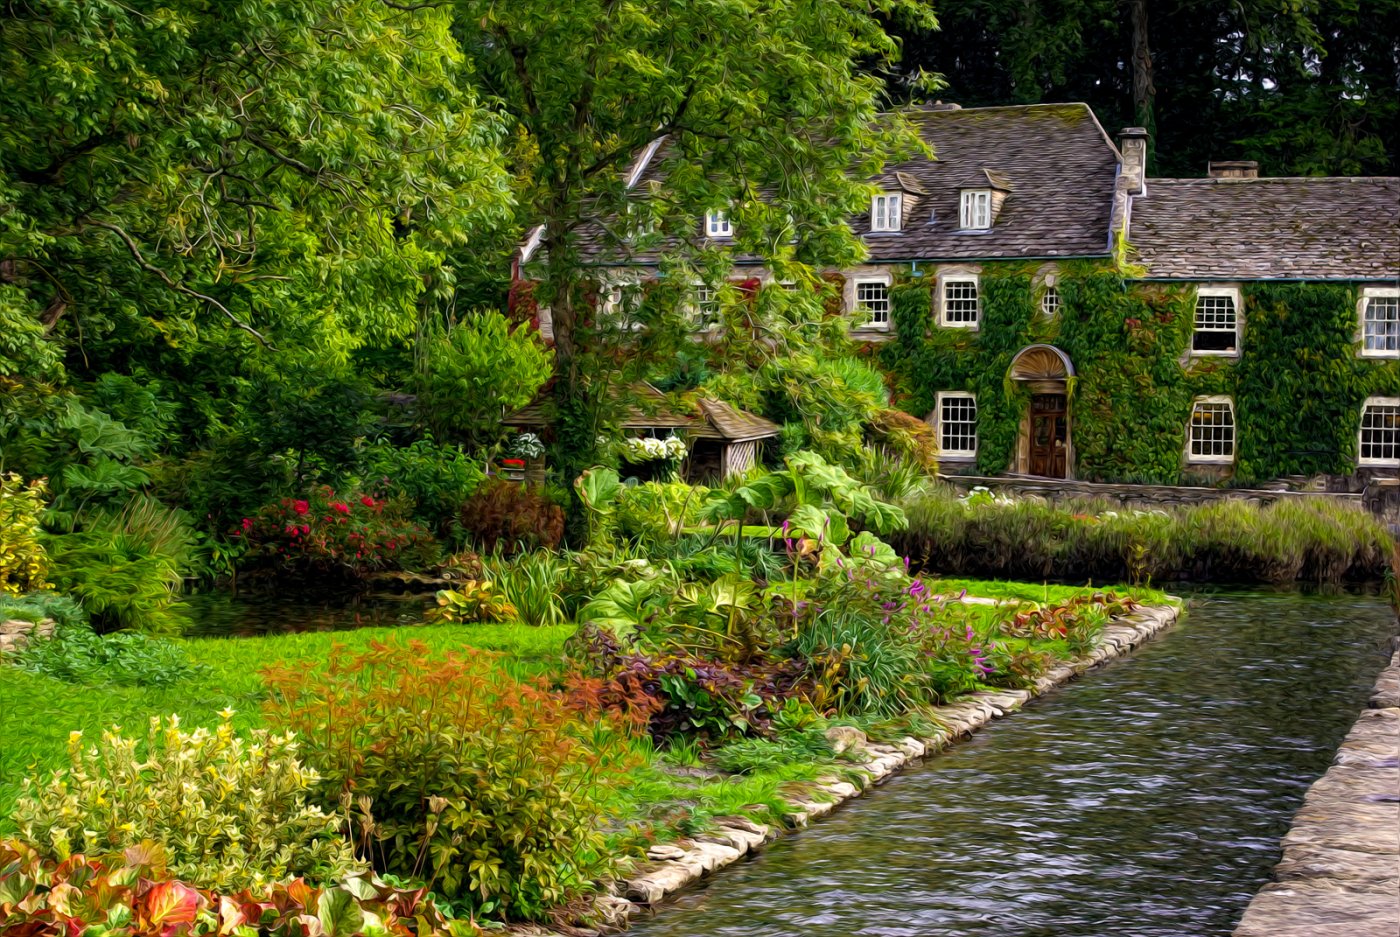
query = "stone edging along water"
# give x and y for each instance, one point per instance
(1340, 872)
(672, 867)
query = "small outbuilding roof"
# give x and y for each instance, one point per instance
(705, 418)
(1312, 228)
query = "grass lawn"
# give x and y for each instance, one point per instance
(1037, 592)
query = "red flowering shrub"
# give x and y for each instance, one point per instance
(325, 533)
(130, 896)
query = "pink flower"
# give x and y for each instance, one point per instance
(301, 507)
(341, 506)
(367, 501)
(247, 524)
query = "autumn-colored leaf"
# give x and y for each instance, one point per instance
(169, 904)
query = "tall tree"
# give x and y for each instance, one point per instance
(764, 113)
(208, 181)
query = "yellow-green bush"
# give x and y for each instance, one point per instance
(230, 812)
(23, 562)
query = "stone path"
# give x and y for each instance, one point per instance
(1340, 873)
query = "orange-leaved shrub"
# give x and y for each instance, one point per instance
(492, 791)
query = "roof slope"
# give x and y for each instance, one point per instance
(702, 418)
(1269, 228)
(1059, 166)
(1055, 160)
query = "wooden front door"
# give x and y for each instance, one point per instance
(1049, 435)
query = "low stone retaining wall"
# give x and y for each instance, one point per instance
(673, 866)
(1143, 497)
(15, 634)
(1340, 873)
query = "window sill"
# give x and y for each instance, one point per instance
(1203, 460)
(1214, 354)
(956, 457)
(1378, 463)
(1378, 354)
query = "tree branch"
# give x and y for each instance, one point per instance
(174, 284)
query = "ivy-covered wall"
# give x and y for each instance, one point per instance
(1298, 385)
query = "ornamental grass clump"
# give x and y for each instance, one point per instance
(229, 812)
(491, 791)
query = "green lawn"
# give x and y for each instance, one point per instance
(1037, 592)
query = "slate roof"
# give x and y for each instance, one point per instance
(710, 418)
(1056, 162)
(1312, 228)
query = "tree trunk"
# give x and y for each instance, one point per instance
(1143, 91)
(575, 416)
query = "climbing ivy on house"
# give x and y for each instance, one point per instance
(1298, 386)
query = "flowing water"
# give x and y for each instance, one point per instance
(1145, 800)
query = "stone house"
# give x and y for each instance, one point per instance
(1052, 311)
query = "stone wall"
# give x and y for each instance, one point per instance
(15, 634)
(1135, 496)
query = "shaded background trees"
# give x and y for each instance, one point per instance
(1305, 88)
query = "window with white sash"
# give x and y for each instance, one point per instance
(1210, 436)
(976, 209)
(1380, 432)
(885, 212)
(955, 413)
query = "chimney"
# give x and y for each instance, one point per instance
(1132, 143)
(1233, 169)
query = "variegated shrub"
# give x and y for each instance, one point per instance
(231, 812)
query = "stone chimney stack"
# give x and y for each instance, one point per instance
(1132, 143)
(1233, 169)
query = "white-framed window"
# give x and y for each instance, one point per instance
(704, 306)
(1050, 302)
(872, 297)
(886, 212)
(1380, 432)
(1380, 321)
(621, 303)
(1217, 326)
(975, 212)
(1210, 436)
(955, 418)
(961, 305)
(717, 224)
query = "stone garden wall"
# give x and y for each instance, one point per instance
(15, 634)
(1139, 496)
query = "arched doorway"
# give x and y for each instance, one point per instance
(1044, 445)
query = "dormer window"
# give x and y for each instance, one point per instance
(976, 211)
(717, 224)
(886, 212)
